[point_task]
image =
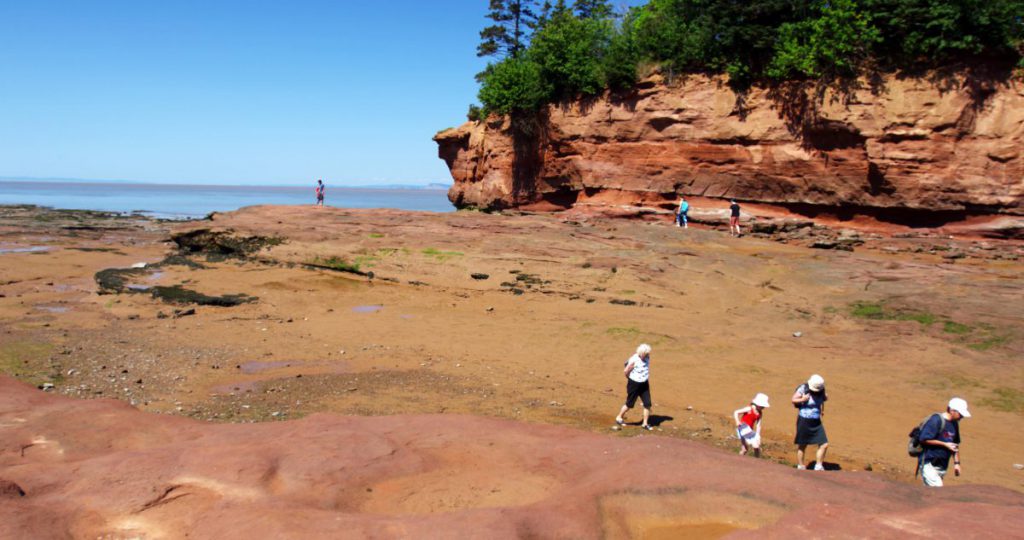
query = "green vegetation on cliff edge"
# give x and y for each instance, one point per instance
(552, 51)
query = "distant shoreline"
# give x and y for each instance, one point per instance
(106, 182)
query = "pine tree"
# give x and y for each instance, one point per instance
(593, 9)
(508, 36)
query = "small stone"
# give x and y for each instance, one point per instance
(797, 334)
(616, 427)
(72, 372)
(689, 407)
(161, 315)
(478, 276)
(1019, 466)
(46, 387)
(490, 308)
(275, 414)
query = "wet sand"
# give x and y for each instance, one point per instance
(525, 317)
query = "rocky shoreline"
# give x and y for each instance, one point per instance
(388, 313)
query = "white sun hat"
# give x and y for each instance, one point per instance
(959, 405)
(816, 383)
(761, 400)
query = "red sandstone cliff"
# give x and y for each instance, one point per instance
(900, 148)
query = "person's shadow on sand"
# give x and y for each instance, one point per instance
(657, 419)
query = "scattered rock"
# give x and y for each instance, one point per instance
(478, 276)
(10, 489)
(178, 313)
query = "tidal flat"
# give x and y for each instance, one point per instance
(519, 316)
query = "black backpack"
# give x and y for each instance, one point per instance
(914, 446)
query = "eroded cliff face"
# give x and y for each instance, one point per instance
(898, 148)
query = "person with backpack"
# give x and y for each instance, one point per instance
(939, 438)
(748, 426)
(637, 373)
(809, 399)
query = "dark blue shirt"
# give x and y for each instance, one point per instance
(938, 455)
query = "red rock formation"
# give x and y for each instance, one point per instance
(101, 469)
(902, 149)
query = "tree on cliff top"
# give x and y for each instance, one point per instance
(513, 21)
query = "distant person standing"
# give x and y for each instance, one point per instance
(637, 371)
(320, 187)
(940, 438)
(809, 399)
(684, 207)
(748, 424)
(734, 218)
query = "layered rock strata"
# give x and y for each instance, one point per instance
(902, 149)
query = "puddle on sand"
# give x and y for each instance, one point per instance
(53, 309)
(368, 309)
(29, 249)
(257, 366)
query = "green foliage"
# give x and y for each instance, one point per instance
(835, 43)
(513, 19)
(936, 31)
(512, 84)
(569, 51)
(559, 51)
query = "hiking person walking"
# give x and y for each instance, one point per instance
(809, 399)
(748, 426)
(681, 216)
(734, 218)
(940, 439)
(637, 373)
(320, 192)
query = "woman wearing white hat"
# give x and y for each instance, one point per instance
(748, 426)
(809, 399)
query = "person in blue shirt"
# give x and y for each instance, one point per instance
(940, 438)
(809, 399)
(684, 207)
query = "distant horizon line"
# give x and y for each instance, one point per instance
(55, 179)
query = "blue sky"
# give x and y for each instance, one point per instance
(234, 92)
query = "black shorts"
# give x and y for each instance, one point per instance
(640, 390)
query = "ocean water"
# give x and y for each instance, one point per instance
(191, 201)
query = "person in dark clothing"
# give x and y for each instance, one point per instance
(734, 218)
(940, 438)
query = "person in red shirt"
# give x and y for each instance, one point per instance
(748, 424)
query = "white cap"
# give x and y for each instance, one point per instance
(816, 383)
(760, 400)
(959, 405)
